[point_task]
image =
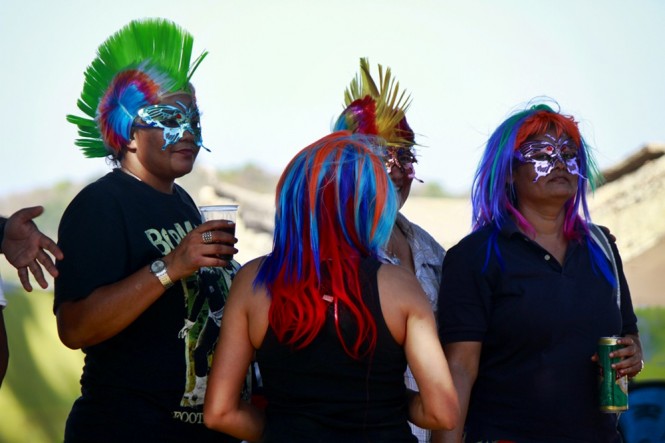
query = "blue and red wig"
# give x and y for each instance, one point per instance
(335, 205)
(129, 91)
(493, 195)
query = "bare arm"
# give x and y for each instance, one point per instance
(25, 247)
(402, 299)
(110, 309)
(436, 406)
(463, 358)
(224, 410)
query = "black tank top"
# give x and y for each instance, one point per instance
(321, 394)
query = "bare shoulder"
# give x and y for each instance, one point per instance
(399, 287)
(253, 264)
(251, 301)
(243, 283)
(402, 298)
(247, 272)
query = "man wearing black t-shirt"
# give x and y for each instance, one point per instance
(135, 248)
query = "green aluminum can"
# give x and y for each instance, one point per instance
(613, 392)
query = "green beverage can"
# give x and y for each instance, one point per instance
(613, 392)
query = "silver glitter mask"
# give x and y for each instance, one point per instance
(174, 120)
(545, 153)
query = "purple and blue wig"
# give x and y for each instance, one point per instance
(335, 205)
(493, 195)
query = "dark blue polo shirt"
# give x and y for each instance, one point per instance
(539, 324)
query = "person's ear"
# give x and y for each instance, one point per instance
(132, 146)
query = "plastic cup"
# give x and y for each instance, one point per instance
(221, 212)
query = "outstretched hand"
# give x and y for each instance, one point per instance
(25, 247)
(608, 234)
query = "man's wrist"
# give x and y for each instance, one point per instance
(158, 269)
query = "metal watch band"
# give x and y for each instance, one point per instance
(164, 279)
(158, 269)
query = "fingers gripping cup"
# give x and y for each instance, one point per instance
(221, 212)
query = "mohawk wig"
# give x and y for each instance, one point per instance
(493, 194)
(334, 205)
(376, 111)
(134, 67)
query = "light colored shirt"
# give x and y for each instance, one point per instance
(427, 260)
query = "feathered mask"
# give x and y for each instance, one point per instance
(380, 112)
(134, 68)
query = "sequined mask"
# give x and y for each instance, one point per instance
(174, 120)
(403, 159)
(545, 153)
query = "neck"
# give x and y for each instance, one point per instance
(137, 171)
(547, 223)
(128, 172)
(398, 247)
(545, 220)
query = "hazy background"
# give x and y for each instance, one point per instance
(274, 79)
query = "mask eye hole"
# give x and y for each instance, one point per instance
(170, 123)
(569, 155)
(407, 158)
(539, 156)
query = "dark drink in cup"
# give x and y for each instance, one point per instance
(221, 212)
(230, 229)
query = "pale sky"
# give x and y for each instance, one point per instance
(275, 76)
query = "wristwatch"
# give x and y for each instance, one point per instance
(158, 268)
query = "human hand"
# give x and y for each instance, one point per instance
(632, 359)
(185, 329)
(25, 247)
(608, 234)
(201, 247)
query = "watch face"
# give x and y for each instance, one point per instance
(157, 266)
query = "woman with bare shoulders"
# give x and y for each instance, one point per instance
(332, 327)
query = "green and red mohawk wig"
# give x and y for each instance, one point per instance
(134, 67)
